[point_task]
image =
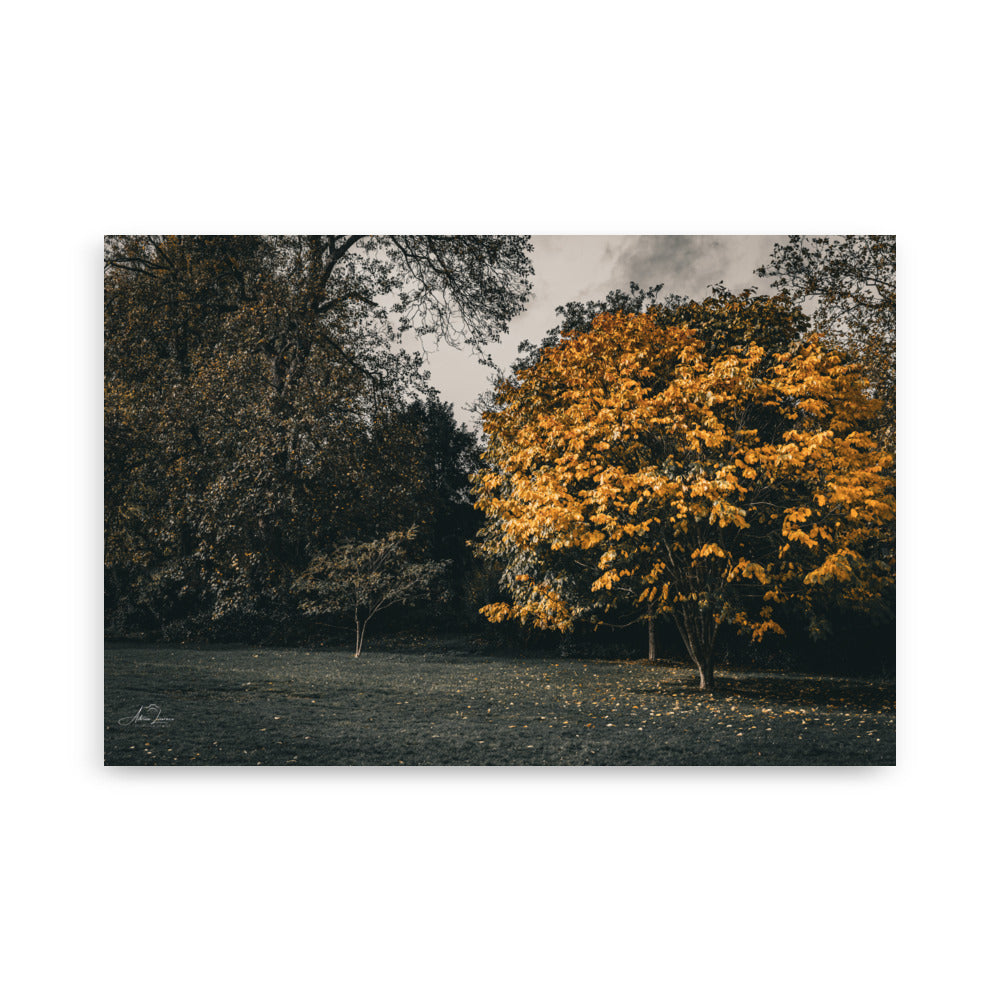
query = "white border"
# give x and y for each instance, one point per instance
(218, 117)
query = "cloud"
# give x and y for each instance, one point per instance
(689, 265)
(582, 268)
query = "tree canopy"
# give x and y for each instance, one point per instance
(259, 404)
(723, 317)
(365, 578)
(715, 471)
(851, 283)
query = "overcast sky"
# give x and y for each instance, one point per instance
(581, 268)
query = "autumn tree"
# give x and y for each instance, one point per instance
(724, 317)
(672, 471)
(365, 578)
(256, 394)
(850, 282)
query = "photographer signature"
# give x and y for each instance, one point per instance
(146, 713)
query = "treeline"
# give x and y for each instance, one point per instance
(261, 410)
(264, 421)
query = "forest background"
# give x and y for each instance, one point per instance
(270, 418)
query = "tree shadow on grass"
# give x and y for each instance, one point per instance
(793, 691)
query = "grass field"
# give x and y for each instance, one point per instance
(452, 705)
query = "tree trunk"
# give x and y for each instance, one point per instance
(361, 635)
(651, 621)
(698, 632)
(706, 671)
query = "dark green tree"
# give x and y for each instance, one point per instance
(256, 392)
(850, 284)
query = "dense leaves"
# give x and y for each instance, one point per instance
(714, 471)
(851, 283)
(723, 318)
(260, 409)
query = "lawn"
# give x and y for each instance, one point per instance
(451, 704)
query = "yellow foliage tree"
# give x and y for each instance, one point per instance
(631, 467)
